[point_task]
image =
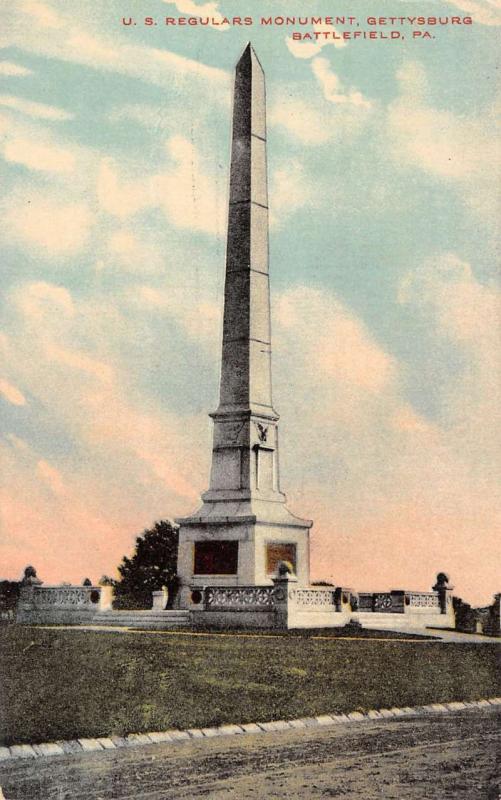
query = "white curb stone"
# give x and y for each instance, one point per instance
(137, 738)
(356, 715)
(324, 719)
(297, 723)
(251, 727)
(229, 730)
(439, 707)
(175, 735)
(48, 749)
(160, 736)
(118, 741)
(71, 747)
(106, 743)
(22, 751)
(195, 733)
(89, 745)
(275, 725)
(209, 732)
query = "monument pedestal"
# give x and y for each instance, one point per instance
(240, 544)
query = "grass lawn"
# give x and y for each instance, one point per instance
(61, 684)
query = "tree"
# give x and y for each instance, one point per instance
(153, 565)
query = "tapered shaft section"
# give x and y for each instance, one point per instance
(246, 356)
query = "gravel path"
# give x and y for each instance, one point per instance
(450, 756)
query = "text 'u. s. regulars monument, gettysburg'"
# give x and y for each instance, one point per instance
(244, 528)
(243, 558)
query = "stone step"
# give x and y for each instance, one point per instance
(157, 620)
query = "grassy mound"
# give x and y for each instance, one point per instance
(64, 684)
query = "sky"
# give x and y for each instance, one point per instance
(383, 160)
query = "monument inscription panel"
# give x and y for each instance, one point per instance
(279, 551)
(216, 557)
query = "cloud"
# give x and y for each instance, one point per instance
(189, 197)
(116, 196)
(455, 148)
(11, 69)
(11, 393)
(40, 299)
(485, 12)
(297, 117)
(466, 310)
(338, 348)
(45, 16)
(38, 156)
(51, 476)
(46, 226)
(199, 319)
(312, 121)
(332, 86)
(32, 109)
(290, 191)
(467, 314)
(80, 42)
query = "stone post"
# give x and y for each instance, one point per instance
(284, 601)
(106, 598)
(25, 606)
(160, 599)
(398, 601)
(345, 599)
(444, 591)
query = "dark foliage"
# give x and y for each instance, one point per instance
(153, 565)
(9, 595)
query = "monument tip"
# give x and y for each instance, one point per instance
(249, 53)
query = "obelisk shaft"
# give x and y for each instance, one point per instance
(245, 448)
(246, 354)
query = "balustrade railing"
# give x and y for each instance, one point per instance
(313, 598)
(241, 598)
(422, 599)
(65, 596)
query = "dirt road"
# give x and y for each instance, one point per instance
(450, 757)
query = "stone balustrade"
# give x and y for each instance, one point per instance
(314, 598)
(240, 598)
(399, 601)
(61, 604)
(422, 600)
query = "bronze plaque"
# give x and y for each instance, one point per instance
(216, 558)
(279, 551)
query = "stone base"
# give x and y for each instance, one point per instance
(256, 527)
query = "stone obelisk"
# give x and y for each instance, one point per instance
(243, 528)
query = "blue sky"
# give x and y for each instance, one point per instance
(383, 160)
